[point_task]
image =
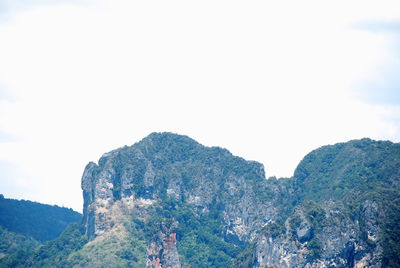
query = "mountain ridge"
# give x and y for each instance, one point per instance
(168, 201)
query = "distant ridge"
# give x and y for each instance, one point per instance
(40, 221)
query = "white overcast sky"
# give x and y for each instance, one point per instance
(268, 80)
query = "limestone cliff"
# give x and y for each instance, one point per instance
(168, 201)
(343, 209)
(161, 251)
(324, 216)
(165, 165)
(338, 243)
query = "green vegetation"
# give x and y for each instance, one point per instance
(314, 248)
(42, 222)
(391, 229)
(71, 249)
(314, 214)
(11, 242)
(333, 172)
(245, 259)
(350, 176)
(275, 229)
(294, 222)
(51, 253)
(200, 238)
(117, 250)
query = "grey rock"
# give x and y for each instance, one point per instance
(161, 249)
(149, 167)
(165, 164)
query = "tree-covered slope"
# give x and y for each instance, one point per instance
(40, 221)
(24, 225)
(332, 172)
(11, 242)
(51, 253)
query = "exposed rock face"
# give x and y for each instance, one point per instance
(318, 218)
(165, 164)
(342, 195)
(338, 244)
(168, 201)
(161, 251)
(196, 175)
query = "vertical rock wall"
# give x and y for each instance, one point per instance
(161, 249)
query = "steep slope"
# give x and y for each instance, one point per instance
(166, 180)
(168, 201)
(346, 210)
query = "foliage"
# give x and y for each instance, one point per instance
(391, 230)
(314, 214)
(314, 247)
(294, 222)
(200, 238)
(332, 172)
(11, 242)
(275, 229)
(117, 250)
(349, 174)
(42, 222)
(53, 253)
(245, 259)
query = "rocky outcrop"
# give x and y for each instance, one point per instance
(336, 241)
(322, 217)
(185, 170)
(161, 249)
(165, 164)
(168, 201)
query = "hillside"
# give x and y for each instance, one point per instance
(39, 221)
(24, 225)
(168, 201)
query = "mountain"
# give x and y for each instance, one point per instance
(168, 201)
(25, 224)
(208, 199)
(344, 210)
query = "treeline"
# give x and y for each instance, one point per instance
(42, 222)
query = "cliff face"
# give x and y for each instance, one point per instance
(168, 201)
(338, 242)
(161, 251)
(343, 198)
(201, 206)
(176, 167)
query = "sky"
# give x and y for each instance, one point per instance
(268, 80)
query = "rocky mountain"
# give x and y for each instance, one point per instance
(168, 201)
(165, 174)
(345, 210)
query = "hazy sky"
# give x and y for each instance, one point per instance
(268, 80)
